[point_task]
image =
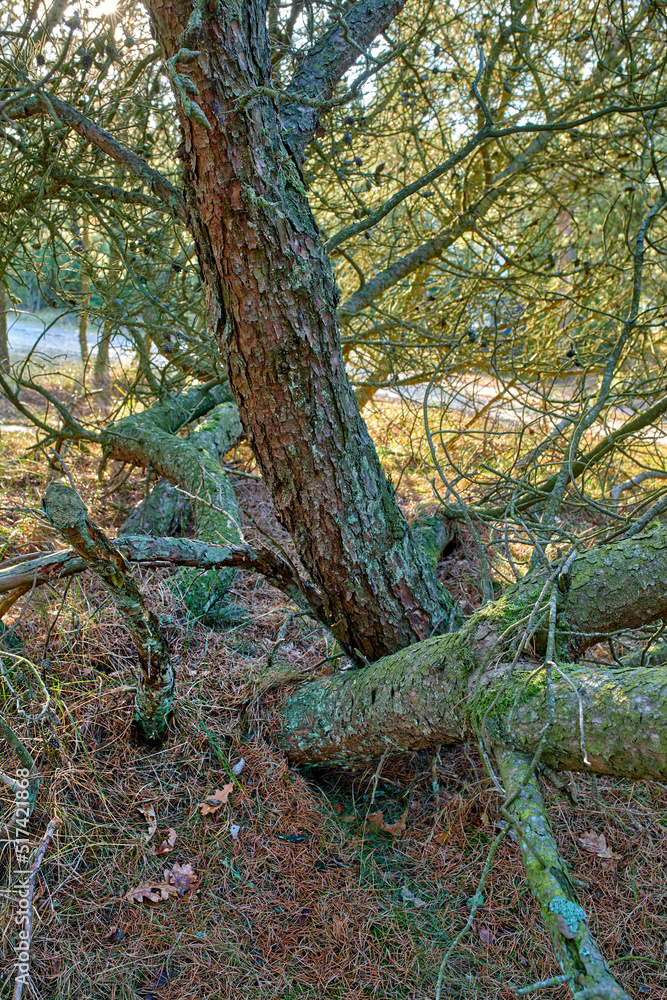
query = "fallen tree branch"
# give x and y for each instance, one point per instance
(26, 918)
(147, 551)
(577, 952)
(155, 678)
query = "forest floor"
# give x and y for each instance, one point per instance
(304, 883)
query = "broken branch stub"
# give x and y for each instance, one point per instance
(155, 679)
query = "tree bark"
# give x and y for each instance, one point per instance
(272, 307)
(449, 689)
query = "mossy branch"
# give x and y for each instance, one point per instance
(577, 952)
(155, 690)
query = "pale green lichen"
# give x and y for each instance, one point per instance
(571, 912)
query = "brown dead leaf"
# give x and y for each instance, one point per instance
(167, 845)
(151, 892)
(213, 802)
(177, 880)
(180, 877)
(148, 813)
(597, 844)
(441, 838)
(397, 828)
(376, 820)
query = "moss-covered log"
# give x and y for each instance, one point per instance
(607, 719)
(165, 513)
(622, 585)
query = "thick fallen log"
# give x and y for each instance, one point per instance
(454, 688)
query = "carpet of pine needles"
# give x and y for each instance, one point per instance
(295, 893)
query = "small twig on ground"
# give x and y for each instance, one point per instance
(26, 918)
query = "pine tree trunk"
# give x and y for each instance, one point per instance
(272, 307)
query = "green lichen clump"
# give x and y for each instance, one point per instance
(571, 912)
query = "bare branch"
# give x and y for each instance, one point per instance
(326, 63)
(153, 179)
(577, 952)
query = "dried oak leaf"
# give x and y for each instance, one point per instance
(151, 892)
(167, 845)
(180, 877)
(376, 819)
(177, 880)
(597, 844)
(212, 803)
(148, 813)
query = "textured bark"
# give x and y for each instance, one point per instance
(327, 62)
(439, 691)
(165, 513)
(622, 585)
(193, 463)
(607, 719)
(272, 307)
(155, 678)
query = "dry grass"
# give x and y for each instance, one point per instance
(308, 900)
